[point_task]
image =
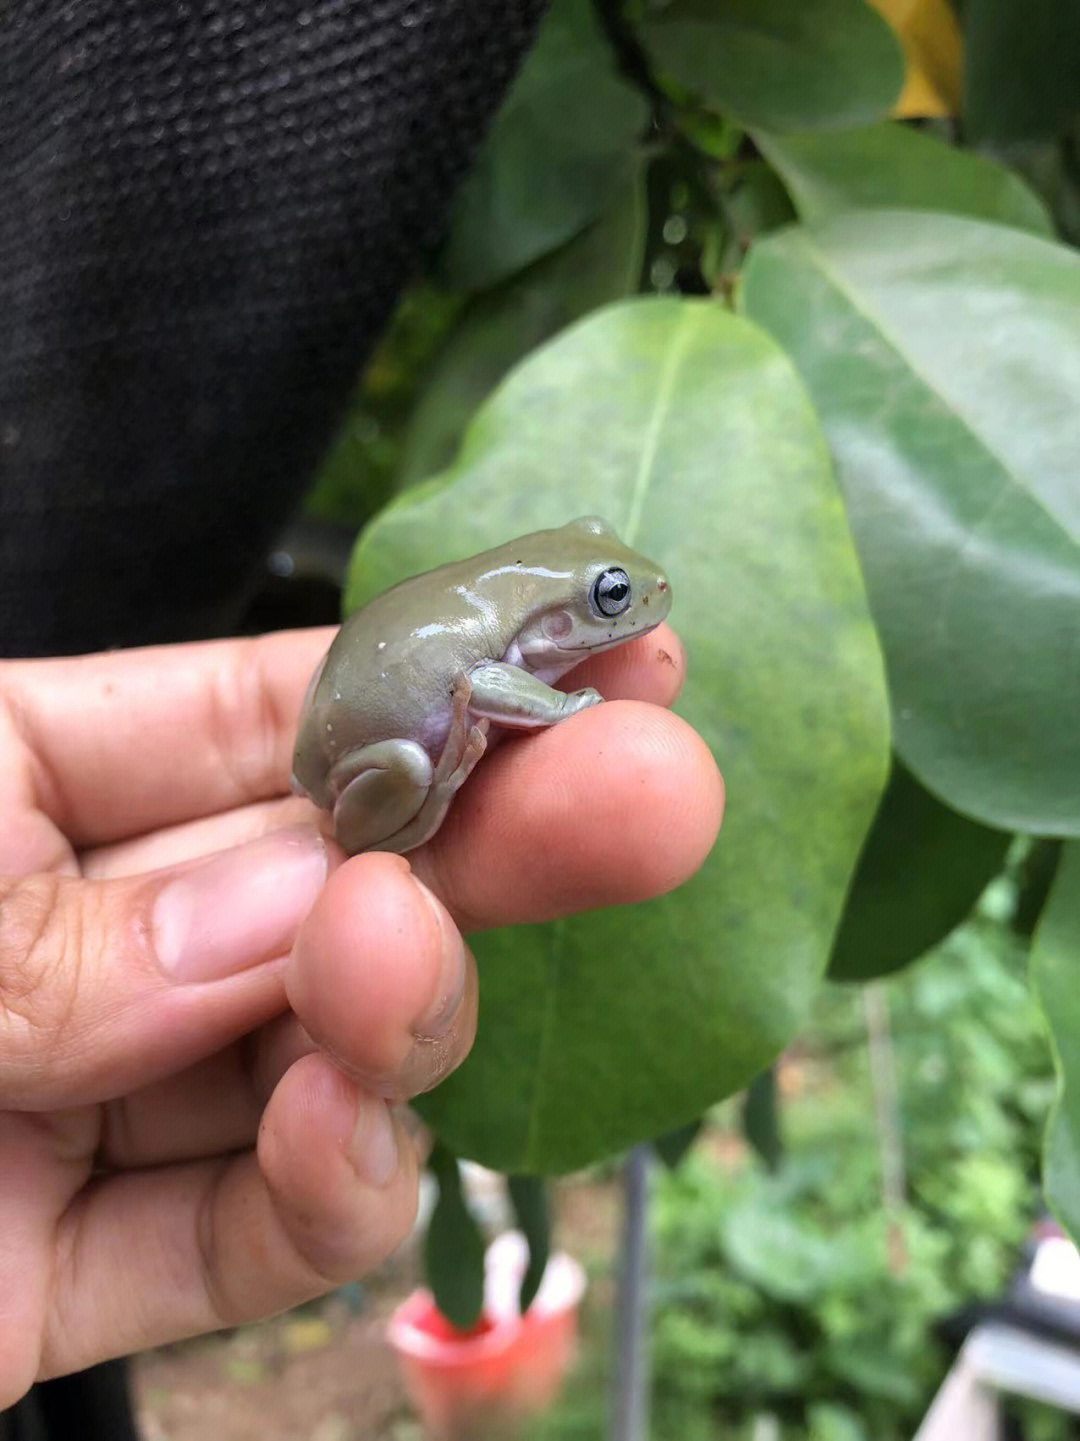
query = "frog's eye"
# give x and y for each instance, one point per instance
(611, 593)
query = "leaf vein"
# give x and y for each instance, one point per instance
(680, 343)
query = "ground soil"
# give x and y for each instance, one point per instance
(325, 1372)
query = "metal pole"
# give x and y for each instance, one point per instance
(633, 1368)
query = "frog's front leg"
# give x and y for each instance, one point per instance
(497, 692)
(510, 696)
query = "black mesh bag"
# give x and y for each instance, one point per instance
(208, 208)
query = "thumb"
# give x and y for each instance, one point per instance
(108, 985)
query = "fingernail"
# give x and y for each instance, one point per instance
(373, 1148)
(238, 908)
(439, 1017)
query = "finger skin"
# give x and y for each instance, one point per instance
(616, 804)
(174, 844)
(104, 738)
(127, 742)
(362, 977)
(151, 1257)
(86, 1011)
(649, 669)
(90, 1013)
(653, 803)
(45, 1161)
(211, 1108)
(365, 969)
(611, 805)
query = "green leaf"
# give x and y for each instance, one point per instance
(1034, 877)
(498, 328)
(1021, 68)
(828, 1422)
(562, 146)
(944, 357)
(1055, 971)
(674, 1145)
(781, 64)
(893, 165)
(922, 869)
(761, 1119)
(528, 1196)
(687, 428)
(788, 1253)
(453, 1247)
(1049, 167)
(756, 203)
(355, 476)
(872, 1374)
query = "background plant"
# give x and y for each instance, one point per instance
(764, 283)
(798, 1291)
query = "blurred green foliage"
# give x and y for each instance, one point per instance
(798, 1293)
(791, 1291)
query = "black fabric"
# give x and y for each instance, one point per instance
(91, 1406)
(207, 208)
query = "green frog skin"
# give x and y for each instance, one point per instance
(398, 712)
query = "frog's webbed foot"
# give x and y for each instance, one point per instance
(512, 697)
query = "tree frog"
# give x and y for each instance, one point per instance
(398, 712)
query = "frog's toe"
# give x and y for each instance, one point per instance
(582, 700)
(475, 746)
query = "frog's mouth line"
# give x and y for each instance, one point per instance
(563, 657)
(640, 629)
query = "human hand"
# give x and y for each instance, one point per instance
(207, 1015)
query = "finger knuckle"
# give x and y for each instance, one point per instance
(212, 1254)
(40, 943)
(244, 724)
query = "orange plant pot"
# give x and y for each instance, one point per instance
(484, 1382)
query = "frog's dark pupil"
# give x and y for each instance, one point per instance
(612, 592)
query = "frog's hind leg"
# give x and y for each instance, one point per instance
(380, 788)
(465, 744)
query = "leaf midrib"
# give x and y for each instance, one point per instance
(680, 342)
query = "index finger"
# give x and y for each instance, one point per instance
(130, 742)
(126, 742)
